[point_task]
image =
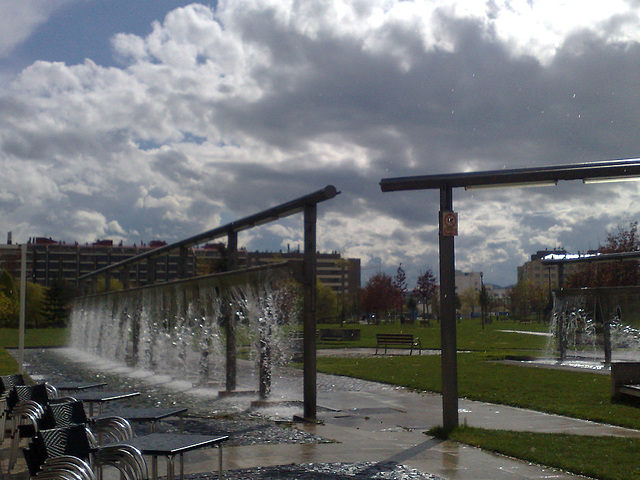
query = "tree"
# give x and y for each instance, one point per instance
(9, 302)
(485, 302)
(400, 281)
(114, 285)
(426, 289)
(57, 304)
(9, 312)
(469, 299)
(8, 286)
(327, 306)
(612, 273)
(35, 304)
(412, 306)
(538, 298)
(380, 295)
(523, 298)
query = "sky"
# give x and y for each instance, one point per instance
(160, 119)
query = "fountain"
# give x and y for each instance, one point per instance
(178, 329)
(587, 321)
(147, 323)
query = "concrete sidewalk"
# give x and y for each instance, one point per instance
(388, 425)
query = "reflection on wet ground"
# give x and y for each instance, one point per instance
(207, 414)
(234, 415)
(327, 471)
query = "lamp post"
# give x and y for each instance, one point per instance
(592, 172)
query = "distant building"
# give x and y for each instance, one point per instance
(48, 260)
(545, 276)
(467, 280)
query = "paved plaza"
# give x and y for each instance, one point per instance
(365, 430)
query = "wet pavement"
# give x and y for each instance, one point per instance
(365, 429)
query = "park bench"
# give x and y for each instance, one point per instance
(399, 340)
(625, 379)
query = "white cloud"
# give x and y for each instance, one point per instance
(218, 114)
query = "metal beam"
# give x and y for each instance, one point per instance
(512, 177)
(281, 211)
(590, 258)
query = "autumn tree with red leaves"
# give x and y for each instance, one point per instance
(380, 296)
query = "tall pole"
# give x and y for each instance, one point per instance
(309, 312)
(23, 308)
(448, 312)
(227, 311)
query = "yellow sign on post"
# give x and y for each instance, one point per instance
(449, 224)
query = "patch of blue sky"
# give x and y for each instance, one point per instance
(188, 137)
(84, 29)
(147, 144)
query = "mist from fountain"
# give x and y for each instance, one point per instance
(178, 330)
(590, 324)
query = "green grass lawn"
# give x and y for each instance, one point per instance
(481, 376)
(494, 336)
(34, 337)
(607, 458)
(577, 394)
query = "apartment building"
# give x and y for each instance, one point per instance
(48, 260)
(545, 276)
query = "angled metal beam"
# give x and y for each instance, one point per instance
(281, 211)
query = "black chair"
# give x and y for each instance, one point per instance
(7, 382)
(57, 442)
(28, 406)
(63, 414)
(78, 441)
(25, 405)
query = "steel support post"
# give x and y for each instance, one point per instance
(151, 271)
(23, 307)
(448, 320)
(232, 264)
(309, 312)
(183, 260)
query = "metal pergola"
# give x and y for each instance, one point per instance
(306, 205)
(560, 260)
(591, 172)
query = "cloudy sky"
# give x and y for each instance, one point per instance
(159, 119)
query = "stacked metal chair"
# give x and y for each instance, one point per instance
(25, 406)
(7, 382)
(65, 467)
(55, 447)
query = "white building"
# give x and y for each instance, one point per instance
(467, 280)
